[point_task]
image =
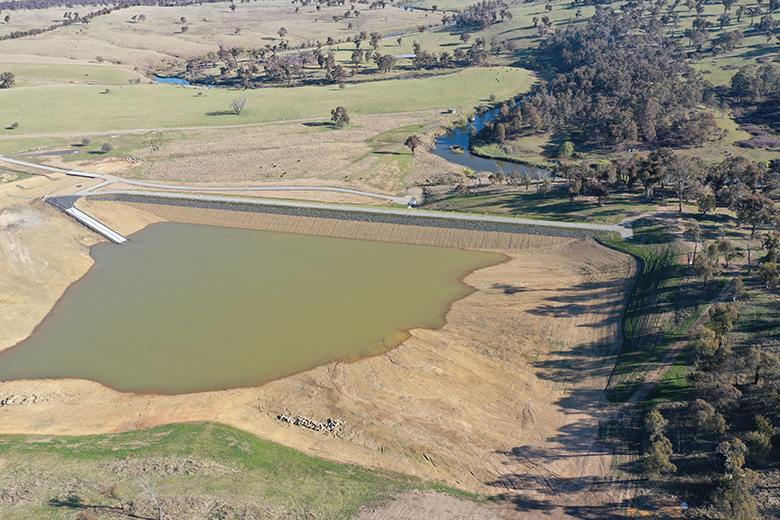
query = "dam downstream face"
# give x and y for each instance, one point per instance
(184, 308)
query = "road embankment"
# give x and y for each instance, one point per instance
(412, 229)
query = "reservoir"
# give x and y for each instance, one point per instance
(184, 308)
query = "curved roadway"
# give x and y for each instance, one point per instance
(624, 228)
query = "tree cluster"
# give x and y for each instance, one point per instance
(482, 15)
(339, 117)
(749, 188)
(76, 18)
(756, 83)
(728, 425)
(7, 80)
(617, 78)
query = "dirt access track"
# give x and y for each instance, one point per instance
(503, 399)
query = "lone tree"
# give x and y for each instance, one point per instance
(239, 104)
(107, 147)
(768, 274)
(148, 490)
(706, 203)
(683, 173)
(703, 266)
(339, 117)
(412, 142)
(7, 80)
(753, 210)
(656, 459)
(567, 150)
(722, 318)
(692, 230)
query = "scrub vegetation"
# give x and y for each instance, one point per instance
(196, 469)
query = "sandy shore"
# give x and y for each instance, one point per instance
(503, 398)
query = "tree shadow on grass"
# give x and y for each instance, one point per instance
(220, 113)
(69, 502)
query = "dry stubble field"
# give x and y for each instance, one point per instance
(368, 155)
(503, 399)
(118, 38)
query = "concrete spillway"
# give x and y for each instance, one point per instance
(95, 225)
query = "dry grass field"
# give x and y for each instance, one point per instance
(369, 153)
(120, 39)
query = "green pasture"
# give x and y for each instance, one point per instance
(14, 146)
(754, 48)
(201, 464)
(30, 74)
(520, 202)
(85, 108)
(714, 151)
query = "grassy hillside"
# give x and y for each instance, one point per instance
(87, 108)
(198, 470)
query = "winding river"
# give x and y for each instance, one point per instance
(460, 138)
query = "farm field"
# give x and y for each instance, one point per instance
(61, 109)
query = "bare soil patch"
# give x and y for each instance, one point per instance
(42, 254)
(504, 399)
(434, 506)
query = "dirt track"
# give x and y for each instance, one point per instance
(502, 399)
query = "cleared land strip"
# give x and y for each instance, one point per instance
(110, 179)
(397, 200)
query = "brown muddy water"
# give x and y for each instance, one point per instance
(184, 308)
